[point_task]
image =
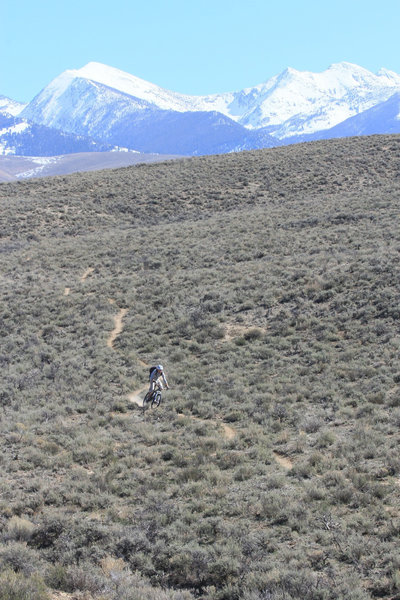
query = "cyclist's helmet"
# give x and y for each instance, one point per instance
(160, 368)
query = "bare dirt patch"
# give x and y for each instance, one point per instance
(235, 330)
(87, 273)
(229, 432)
(61, 596)
(283, 461)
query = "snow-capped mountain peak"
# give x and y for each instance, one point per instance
(134, 86)
(117, 79)
(111, 106)
(113, 77)
(305, 102)
(391, 76)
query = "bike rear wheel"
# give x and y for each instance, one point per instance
(146, 400)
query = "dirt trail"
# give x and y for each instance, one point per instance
(135, 397)
(283, 461)
(229, 432)
(87, 273)
(117, 328)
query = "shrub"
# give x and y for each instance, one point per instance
(19, 557)
(16, 586)
(56, 577)
(19, 528)
(325, 439)
(311, 424)
(253, 334)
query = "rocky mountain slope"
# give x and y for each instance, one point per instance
(24, 138)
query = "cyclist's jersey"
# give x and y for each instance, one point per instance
(154, 375)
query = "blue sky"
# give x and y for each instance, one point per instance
(192, 46)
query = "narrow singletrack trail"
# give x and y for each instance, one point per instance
(118, 326)
(235, 330)
(229, 432)
(135, 397)
(83, 277)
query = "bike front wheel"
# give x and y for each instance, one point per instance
(156, 399)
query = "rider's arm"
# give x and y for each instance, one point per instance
(165, 380)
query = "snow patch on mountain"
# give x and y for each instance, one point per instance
(42, 162)
(391, 76)
(16, 128)
(10, 107)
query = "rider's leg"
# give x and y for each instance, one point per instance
(151, 389)
(159, 383)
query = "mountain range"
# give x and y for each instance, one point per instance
(101, 109)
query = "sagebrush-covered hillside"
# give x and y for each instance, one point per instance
(267, 283)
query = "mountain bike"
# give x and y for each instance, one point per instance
(154, 398)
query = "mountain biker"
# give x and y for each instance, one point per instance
(157, 377)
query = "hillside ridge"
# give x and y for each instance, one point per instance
(266, 283)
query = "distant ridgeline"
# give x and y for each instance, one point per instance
(99, 108)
